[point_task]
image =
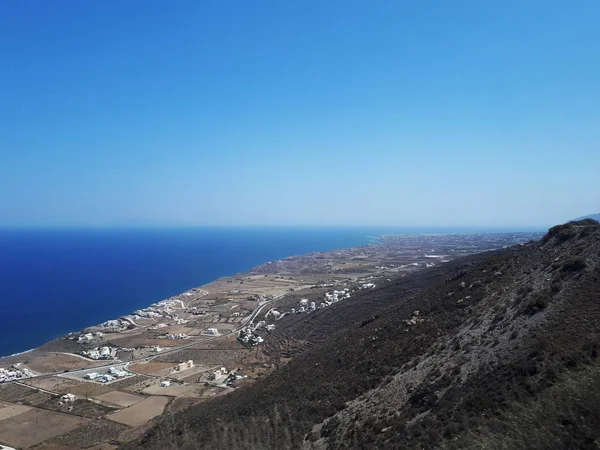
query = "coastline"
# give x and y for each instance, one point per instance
(57, 281)
(315, 267)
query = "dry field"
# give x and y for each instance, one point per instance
(175, 329)
(197, 370)
(81, 407)
(90, 389)
(55, 384)
(176, 390)
(126, 382)
(58, 362)
(208, 358)
(13, 392)
(9, 410)
(153, 368)
(139, 386)
(182, 403)
(141, 412)
(215, 392)
(35, 426)
(92, 433)
(142, 341)
(119, 398)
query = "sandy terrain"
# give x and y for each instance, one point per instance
(119, 398)
(141, 412)
(35, 426)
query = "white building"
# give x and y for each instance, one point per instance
(68, 398)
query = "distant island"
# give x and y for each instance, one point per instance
(595, 217)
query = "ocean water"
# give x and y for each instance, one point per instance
(56, 281)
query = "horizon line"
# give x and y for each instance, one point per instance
(272, 226)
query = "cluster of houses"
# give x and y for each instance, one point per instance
(98, 353)
(176, 336)
(86, 338)
(146, 313)
(116, 325)
(330, 297)
(163, 308)
(248, 338)
(15, 372)
(273, 314)
(113, 374)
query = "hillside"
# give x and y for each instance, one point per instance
(483, 352)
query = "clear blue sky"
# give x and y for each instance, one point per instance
(437, 113)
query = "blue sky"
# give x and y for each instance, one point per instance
(403, 113)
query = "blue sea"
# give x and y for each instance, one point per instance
(56, 281)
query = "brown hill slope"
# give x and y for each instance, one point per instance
(453, 359)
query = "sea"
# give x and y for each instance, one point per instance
(56, 281)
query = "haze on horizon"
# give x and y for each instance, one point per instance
(397, 113)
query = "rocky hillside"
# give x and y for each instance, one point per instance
(497, 350)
